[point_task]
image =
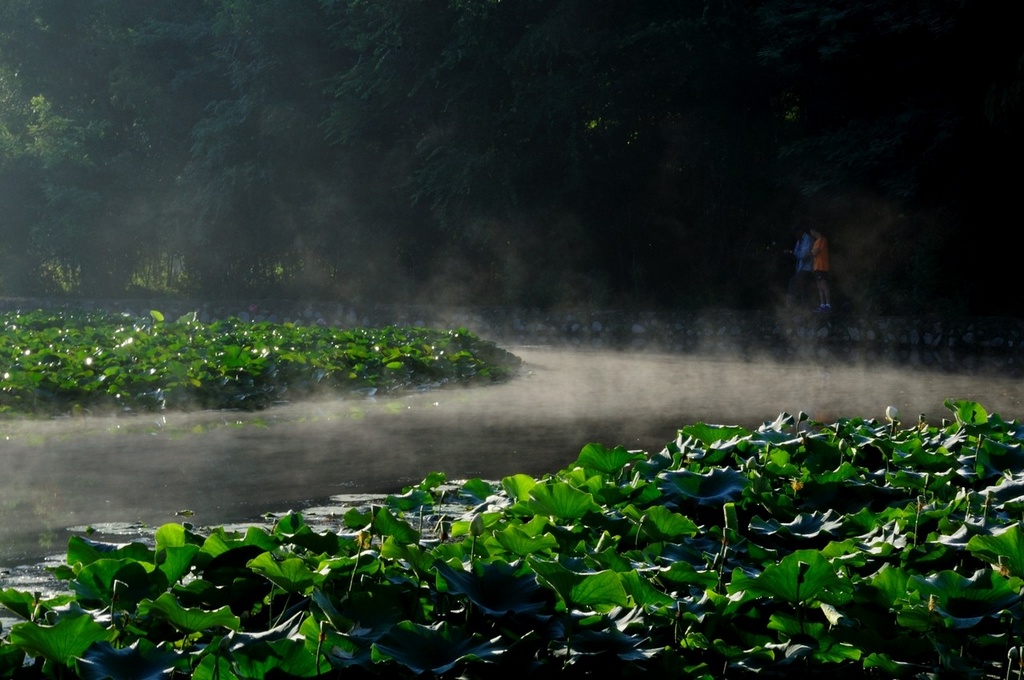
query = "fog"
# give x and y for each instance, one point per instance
(219, 467)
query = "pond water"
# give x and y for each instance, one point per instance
(217, 468)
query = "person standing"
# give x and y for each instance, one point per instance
(820, 267)
(800, 281)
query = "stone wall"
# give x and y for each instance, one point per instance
(956, 342)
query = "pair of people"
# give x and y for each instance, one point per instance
(812, 263)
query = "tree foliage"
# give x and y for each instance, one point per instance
(536, 152)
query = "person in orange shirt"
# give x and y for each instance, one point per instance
(819, 253)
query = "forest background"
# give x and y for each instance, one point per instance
(543, 153)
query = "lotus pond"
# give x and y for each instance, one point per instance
(81, 362)
(856, 546)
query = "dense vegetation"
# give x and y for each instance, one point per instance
(851, 549)
(534, 152)
(81, 362)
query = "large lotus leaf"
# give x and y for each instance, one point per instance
(581, 590)
(389, 525)
(62, 642)
(341, 651)
(434, 649)
(176, 562)
(518, 542)
(975, 526)
(598, 458)
(255, 538)
(20, 603)
(710, 435)
(801, 577)
(812, 638)
(719, 486)
(615, 642)
(290, 575)
(139, 661)
(1003, 549)
(963, 601)
(561, 501)
(884, 538)
(821, 455)
(497, 588)
(967, 412)
(84, 551)
(188, 620)
(661, 524)
(280, 658)
(518, 486)
(891, 668)
(1006, 492)
(806, 525)
(125, 581)
(643, 593)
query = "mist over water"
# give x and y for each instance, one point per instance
(228, 467)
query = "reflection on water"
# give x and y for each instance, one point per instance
(222, 467)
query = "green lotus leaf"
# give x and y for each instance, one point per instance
(719, 486)
(497, 589)
(661, 524)
(290, 575)
(518, 542)
(643, 593)
(122, 583)
(389, 525)
(19, 603)
(435, 649)
(801, 577)
(561, 501)
(85, 551)
(1002, 548)
(598, 458)
(714, 434)
(337, 649)
(62, 642)
(965, 601)
(805, 525)
(581, 590)
(890, 667)
(255, 538)
(967, 412)
(288, 658)
(821, 455)
(518, 486)
(139, 661)
(188, 620)
(171, 535)
(615, 642)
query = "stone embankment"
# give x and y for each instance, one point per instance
(971, 343)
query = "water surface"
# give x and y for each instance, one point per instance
(215, 468)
